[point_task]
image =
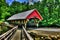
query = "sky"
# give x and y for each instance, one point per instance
(21, 1)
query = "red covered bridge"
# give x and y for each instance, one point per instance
(23, 17)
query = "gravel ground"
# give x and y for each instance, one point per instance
(49, 29)
(46, 31)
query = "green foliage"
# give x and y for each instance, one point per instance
(49, 9)
(4, 10)
(3, 29)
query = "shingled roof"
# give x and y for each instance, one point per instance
(26, 15)
(22, 15)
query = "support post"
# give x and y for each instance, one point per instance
(25, 22)
(37, 24)
(25, 25)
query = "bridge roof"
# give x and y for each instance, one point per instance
(23, 15)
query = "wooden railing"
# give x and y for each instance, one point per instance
(8, 34)
(26, 35)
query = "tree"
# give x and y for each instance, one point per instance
(4, 10)
(49, 9)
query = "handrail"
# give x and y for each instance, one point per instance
(7, 33)
(28, 36)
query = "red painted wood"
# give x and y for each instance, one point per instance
(35, 14)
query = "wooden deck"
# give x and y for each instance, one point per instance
(17, 35)
(40, 31)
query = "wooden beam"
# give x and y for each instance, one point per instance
(25, 26)
(26, 34)
(27, 19)
(24, 21)
(18, 21)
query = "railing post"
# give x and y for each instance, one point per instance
(8, 34)
(27, 35)
(21, 35)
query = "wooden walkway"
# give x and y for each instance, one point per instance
(41, 31)
(17, 35)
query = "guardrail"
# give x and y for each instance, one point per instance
(27, 36)
(8, 34)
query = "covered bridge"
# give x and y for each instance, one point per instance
(23, 18)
